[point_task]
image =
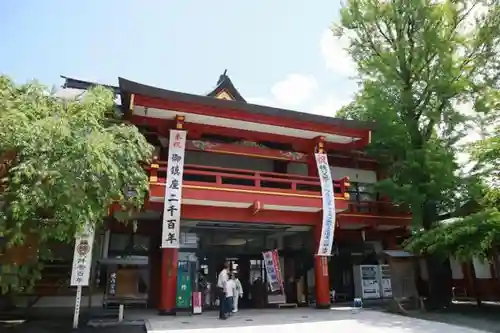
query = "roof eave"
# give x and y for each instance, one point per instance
(85, 85)
(127, 86)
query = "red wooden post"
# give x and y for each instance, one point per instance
(168, 288)
(257, 181)
(153, 172)
(169, 264)
(321, 275)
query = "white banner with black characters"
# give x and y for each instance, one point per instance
(328, 195)
(82, 258)
(173, 190)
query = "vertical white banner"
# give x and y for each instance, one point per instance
(82, 258)
(271, 270)
(82, 263)
(173, 190)
(328, 195)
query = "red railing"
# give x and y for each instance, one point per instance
(377, 208)
(237, 178)
(200, 175)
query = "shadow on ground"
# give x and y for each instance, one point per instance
(59, 320)
(65, 326)
(486, 317)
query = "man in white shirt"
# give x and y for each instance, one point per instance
(221, 288)
(230, 291)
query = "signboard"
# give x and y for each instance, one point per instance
(184, 285)
(82, 258)
(173, 190)
(276, 264)
(328, 195)
(197, 302)
(272, 266)
(370, 287)
(385, 281)
(82, 262)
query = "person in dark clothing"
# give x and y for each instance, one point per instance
(221, 290)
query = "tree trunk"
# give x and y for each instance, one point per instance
(439, 282)
(438, 268)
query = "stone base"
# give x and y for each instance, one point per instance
(167, 312)
(323, 306)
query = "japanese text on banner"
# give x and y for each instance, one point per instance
(328, 195)
(272, 270)
(82, 258)
(173, 190)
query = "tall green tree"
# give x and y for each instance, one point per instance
(472, 233)
(419, 62)
(67, 161)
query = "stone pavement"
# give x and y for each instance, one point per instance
(338, 320)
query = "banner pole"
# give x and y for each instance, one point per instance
(78, 300)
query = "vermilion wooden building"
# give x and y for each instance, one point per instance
(250, 185)
(251, 169)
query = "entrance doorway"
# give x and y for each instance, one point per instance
(241, 245)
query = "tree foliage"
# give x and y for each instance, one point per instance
(68, 161)
(476, 233)
(419, 62)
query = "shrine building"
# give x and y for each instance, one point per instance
(250, 184)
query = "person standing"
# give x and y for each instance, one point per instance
(230, 293)
(238, 293)
(202, 286)
(221, 290)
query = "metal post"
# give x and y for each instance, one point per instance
(78, 300)
(120, 313)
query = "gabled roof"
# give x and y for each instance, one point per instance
(84, 85)
(225, 89)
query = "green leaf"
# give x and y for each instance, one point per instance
(67, 164)
(419, 64)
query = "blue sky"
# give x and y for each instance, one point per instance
(277, 52)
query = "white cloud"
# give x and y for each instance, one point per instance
(330, 105)
(335, 56)
(294, 90)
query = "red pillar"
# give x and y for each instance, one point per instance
(321, 276)
(168, 288)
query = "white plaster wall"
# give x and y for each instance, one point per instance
(481, 268)
(355, 175)
(456, 269)
(229, 161)
(423, 270)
